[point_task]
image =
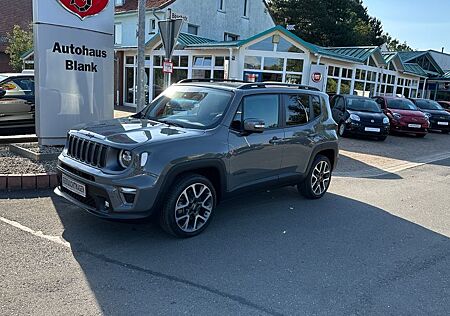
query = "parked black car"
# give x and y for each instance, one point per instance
(357, 115)
(16, 102)
(438, 116)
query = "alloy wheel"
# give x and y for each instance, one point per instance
(342, 130)
(194, 207)
(320, 178)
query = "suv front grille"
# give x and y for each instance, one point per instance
(87, 151)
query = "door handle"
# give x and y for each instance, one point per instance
(275, 140)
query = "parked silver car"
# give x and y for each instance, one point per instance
(17, 102)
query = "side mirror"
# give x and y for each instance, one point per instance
(254, 126)
(2, 93)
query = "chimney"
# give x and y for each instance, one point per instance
(443, 48)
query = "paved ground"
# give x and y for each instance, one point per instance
(372, 246)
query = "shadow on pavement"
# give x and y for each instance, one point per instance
(400, 147)
(352, 168)
(266, 253)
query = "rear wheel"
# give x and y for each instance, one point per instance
(189, 206)
(342, 130)
(318, 179)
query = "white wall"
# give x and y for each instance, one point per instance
(212, 22)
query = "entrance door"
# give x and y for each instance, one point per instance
(256, 158)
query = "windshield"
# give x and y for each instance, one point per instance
(2, 78)
(401, 104)
(188, 106)
(428, 105)
(363, 105)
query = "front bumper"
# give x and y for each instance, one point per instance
(403, 127)
(105, 195)
(436, 126)
(358, 128)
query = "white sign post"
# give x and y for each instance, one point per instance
(74, 65)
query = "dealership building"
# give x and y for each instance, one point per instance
(238, 39)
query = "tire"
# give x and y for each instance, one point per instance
(382, 138)
(420, 135)
(308, 188)
(172, 218)
(342, 130)
(445, 132)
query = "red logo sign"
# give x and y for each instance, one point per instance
(316, 77)
(84, 8)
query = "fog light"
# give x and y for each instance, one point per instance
(106, 204)
(128, 195)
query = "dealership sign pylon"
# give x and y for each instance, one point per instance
(74, 65)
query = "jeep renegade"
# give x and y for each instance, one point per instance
(196, 144)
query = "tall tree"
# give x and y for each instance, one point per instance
(330, 22)
(19, 42)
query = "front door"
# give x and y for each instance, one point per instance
(256, 158)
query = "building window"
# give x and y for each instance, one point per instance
(119, 3)
(193, 29)
(118, 34)
(246, 8)
(221, 5)
(152, 26)
(228, 37)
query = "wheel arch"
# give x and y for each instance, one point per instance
(212, 169)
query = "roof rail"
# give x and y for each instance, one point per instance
(259, 85)
(209, 80)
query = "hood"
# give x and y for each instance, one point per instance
(436, 112)
(408, 113)
(368, 115)
(132, 131)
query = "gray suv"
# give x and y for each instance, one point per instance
(196, 144)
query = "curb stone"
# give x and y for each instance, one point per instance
(15, 182)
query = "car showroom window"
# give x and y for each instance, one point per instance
(264, 107)
(298, 109)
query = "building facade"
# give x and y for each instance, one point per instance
(18, 13)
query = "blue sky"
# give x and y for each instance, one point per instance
(424, 24)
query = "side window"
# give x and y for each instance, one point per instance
(264, 106)
(298, 109)
(380, 102)
(19, 87)
(340, 105)
(333, 102)
(317, 106)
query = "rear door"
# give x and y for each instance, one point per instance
(302, 113)
(256, 158)
(18, 104)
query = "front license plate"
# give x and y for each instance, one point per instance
(414, 125)
(443, 123)
(372, 129)
(73, 186)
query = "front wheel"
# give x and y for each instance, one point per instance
(342, 130)
(318, 179)
(420, 135)
(189, 206)
(382, 138)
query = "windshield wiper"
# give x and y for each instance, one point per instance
(171, 123)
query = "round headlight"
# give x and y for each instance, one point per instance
(125, 158)
(355, 117)
(385, 120)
